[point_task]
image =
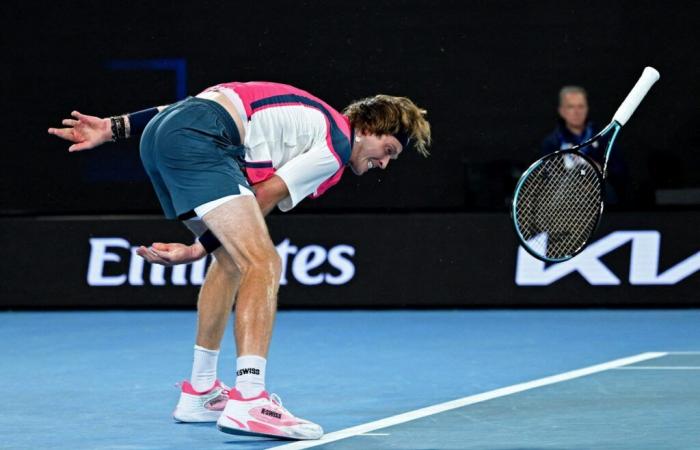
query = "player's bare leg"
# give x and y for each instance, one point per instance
(216, 299)
(203, 398)
(240, 227)
(217, 294)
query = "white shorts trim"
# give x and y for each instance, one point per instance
(201, 210)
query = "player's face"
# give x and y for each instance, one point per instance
(574, 109)
(370, 151)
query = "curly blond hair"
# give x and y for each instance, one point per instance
(386, 114)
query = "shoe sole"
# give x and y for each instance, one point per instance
(184, 418)
(239, 432)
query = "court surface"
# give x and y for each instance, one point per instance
(516, 380)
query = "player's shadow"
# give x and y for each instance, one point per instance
(195, 424)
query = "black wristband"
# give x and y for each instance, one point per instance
(209, 241)
(138, 120)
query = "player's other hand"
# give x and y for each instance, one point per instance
(171, 254)
(85, 132)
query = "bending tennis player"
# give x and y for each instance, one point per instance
(220, 162)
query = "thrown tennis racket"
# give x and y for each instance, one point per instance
(558, 201)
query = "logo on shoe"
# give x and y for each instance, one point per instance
(247, 371)
(267, 412)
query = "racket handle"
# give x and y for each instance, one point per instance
(636, 95)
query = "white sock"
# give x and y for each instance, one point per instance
(204, 368)
(250, 375)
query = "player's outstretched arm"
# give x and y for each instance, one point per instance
(85, 132)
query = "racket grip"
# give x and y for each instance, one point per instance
(636, 95)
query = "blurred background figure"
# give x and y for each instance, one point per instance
(573, 128)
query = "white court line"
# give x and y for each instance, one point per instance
(478, 398)
(683, 353)
(658, 368)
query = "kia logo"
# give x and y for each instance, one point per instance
(643, 269)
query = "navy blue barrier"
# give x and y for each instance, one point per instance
(361, 261)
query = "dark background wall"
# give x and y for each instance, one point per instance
(487, 71)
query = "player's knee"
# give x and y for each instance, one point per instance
(276, 264)
(273, 264)
(264, 262)
(225, 262)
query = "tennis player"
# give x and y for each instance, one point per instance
(220, 162)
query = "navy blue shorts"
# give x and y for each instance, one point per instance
(193, 154)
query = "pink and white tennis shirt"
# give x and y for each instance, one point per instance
(291, 134)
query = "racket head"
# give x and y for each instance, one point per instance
(557, 205)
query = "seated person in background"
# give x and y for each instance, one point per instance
(573, 128)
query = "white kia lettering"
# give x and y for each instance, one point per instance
(644, 263)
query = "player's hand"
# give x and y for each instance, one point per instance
(172, 254)
(85, 132)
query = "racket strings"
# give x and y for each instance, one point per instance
(558, 205)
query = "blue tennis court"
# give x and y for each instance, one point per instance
(105, 380)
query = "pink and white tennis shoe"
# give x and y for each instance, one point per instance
(205, 406)
(264, 416)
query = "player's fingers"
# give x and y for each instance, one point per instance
(91, 120)
(160, 246)
(80, 146)
(164, 255)
(69, 122)
(145, 254)
(63, 133)
(150, 256)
